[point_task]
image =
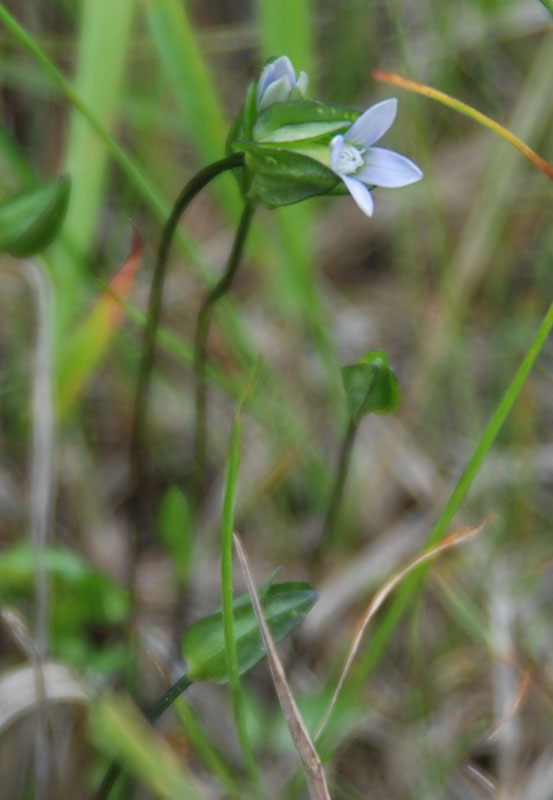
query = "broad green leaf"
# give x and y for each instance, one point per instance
(31, 219)
(305, 119)
(370, 385)
(281, 177)
(174, 526)
(203, 645)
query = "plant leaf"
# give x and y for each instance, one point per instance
(302, 119)
(311, 763)
(281, 177)
(32, 218)
(370, 385)
(203, 644)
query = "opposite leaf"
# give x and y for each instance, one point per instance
(370, 385)
(31, 219)
(203, 645)
(306, 119)
(281, 177)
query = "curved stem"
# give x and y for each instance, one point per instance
(344, 460)
(137, 455)
(200, 344)
(154, 713)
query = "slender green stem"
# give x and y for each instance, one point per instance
(227, 528)
(344, 459)
(115, 769)
(137, 446)
(384, 630)
(200, 349)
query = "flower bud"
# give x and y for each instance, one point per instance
(278, 83)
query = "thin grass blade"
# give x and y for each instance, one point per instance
(311, 763)
(452, 540)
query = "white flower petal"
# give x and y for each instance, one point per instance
(274, 71)
(276, 92)
(388, 168)
(336, 147)
(373, 123)
(265, 79)
(360, 194)
(302, 82)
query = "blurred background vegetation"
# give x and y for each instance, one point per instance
(451, 277)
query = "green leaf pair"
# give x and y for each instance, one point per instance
(31, 219)
(203, 644)
(287, 149)
(370, 386)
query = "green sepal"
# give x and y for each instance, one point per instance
(302, 120)
(31, 219)
(203, 644)
(370, 385)
(278, 177)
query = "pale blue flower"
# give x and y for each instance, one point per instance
(277, 81)
(360, 165)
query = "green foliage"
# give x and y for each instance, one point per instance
(203, 645)
(31, 219)
(174, 527)
(82, 598)
(303, 119)
(196, 93)
(117, 726)
(469, 274)
(281, 177)
(370, 385)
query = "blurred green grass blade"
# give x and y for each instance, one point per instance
(207, 750)
(104, 30)
(89, 342)
(14, 162)
(227, 529)
(117, 726)
(391, 617)
(201, 112)
(464, 611)
(286, 28)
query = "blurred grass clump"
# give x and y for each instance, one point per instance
(451, 277)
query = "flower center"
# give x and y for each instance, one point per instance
(351, 159)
